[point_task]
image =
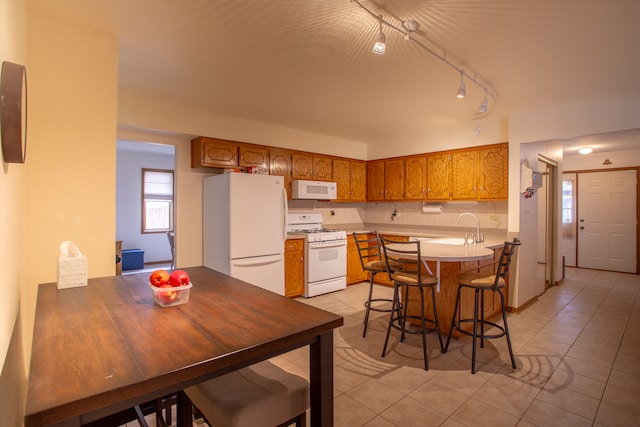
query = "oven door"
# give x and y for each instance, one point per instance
(326, 260)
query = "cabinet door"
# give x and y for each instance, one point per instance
(294, 267)
(302, 166)
(355, 273)
(438, 176)
(394, 179)
(493, 177)
(216, 153)
(375, 180)
(416, 177)
(253, 155)
(280, 164)
(358, 181)
(323, 168)
(464, 171)
(342, 177)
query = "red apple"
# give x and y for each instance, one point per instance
(159, 278)
(166, 297)
(179, 278)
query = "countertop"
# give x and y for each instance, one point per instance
(431, 249)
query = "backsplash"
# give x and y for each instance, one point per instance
(492, 215)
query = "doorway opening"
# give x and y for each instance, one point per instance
(547, 220)
(132, 158)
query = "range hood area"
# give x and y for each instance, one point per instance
(313, 190)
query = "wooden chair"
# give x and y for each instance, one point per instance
(258, 395)
(410, 276)
(171, 238)
(480, 283)
(371, 260)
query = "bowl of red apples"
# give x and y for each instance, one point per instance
(170, 289)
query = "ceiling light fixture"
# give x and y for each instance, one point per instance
(462, 90)
(585, 150)
(406, 28)
(484, 105)
(379, 46)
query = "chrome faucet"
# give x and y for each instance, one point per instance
(477, 238)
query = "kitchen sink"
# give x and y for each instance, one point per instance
(449, 241)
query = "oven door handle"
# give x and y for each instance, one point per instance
(334, 245)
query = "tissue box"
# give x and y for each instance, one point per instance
(72, 271)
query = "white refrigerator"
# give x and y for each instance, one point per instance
(244, 227)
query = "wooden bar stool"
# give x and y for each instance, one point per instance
(368, 245)
(480, 283)
(258, 395)
(410, 275)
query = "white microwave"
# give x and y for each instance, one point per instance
(315, 190)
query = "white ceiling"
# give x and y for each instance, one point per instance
(307, 64)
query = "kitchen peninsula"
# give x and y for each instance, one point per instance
(446, 257)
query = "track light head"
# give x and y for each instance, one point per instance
(379, 46)
(462, 90)
(485, 103)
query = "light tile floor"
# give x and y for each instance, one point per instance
(576, 350)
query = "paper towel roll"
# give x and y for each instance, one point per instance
(431, 208)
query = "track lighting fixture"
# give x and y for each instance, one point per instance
(379, 46)
(462, 90)
(484, 105)
(408, 28)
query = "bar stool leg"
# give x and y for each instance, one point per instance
(453, 320)
(424, 331)
(368, 305)
(506, 329)
(395, 310)
(435, 318)
(475, 331)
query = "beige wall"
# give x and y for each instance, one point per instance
(13, 246)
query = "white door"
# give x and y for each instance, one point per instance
(607, 220)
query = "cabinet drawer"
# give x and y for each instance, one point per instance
(292, 245)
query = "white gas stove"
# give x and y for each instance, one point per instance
(325, 253)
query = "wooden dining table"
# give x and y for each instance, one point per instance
(105, 347)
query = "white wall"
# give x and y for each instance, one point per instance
(129, 165)
(618, 159)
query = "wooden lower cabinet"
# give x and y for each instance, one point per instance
(355, 273)
(293, 267)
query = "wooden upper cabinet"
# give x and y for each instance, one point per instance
(253, 155)
(416, 178)
(394, 178)
(323, 168)
(464, 175)
(375, 180)
(342, 177)
(311, 167)
(302, 166)
(493, 173)
(211, 152)
(438, 176)
(351, 178)
(280, 164)
(358, 181)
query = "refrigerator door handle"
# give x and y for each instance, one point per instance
(286, 214)
(250, 262)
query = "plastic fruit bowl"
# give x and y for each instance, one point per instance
(171, 296)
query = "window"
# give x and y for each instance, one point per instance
(157, 200)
